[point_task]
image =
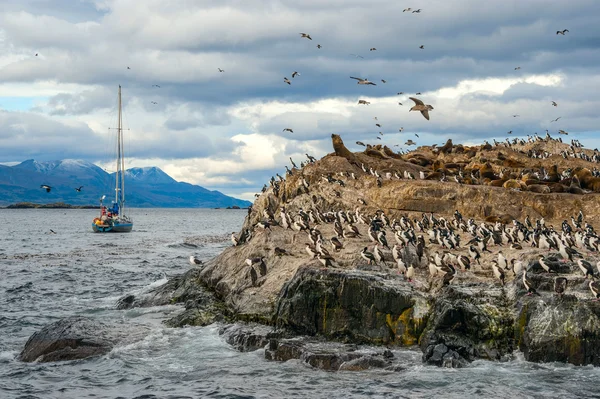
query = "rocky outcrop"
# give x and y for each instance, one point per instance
(355, 306)
(468, 323)
(563, 329)
(248, 337)
(78, 338)
(475, 317)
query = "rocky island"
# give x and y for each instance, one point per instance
(461, 252)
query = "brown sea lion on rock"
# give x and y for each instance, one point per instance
(575, 187)
(553, 175)
(340, 149)
(538, 188)
(557, 188)
(486, 171)
(446, 148)
(515, 184)
(497, 183)
(387, 151)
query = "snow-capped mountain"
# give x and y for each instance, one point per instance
(146, 187)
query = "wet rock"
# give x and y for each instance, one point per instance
(330, 356)
(78, 338)
(563, 330)
(325, 302)
(468, 323)
(247, 337)
(178, 289)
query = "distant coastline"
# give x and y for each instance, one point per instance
(62, 205)
(56, 205)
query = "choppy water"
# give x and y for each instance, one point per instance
(44, 277)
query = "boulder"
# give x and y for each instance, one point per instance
(78, 338)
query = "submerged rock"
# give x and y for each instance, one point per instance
(330, 356)
(248, 337)
(77, 338)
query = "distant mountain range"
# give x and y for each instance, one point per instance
(144, 187)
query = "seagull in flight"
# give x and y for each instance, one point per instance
(128, 68)
(410, 142)
(555, 120)
(516, 116)
(422, 107)
(306, 35)
(372, 49)
(46, 187)
(294, 74)
(422, 47)
(416, 11)
(79, 189)
(156, 86)
(562, 32)
(363, 81)
(554, 103)
(287, 129)
(517, 68)
(221, 70)
(286, 80)
(357, 56)
(153, 102)
(319, 46)
(407, 9)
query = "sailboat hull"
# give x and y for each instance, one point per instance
(115, 228)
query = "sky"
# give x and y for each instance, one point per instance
(482, 63)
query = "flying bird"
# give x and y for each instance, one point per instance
(509, 132)
(555, 120)
(407, 9)
(360, 143)
(153, 102)
(422, 47)
(417, 11)
(410, 142)
(517, 68)
(156, 86)
(79, 189)
(46, 187)
(319, 46)
(378, 125)
(420, 106)
(306, 35)
(364, 102)
(516, 116)
(363, 81)
(36, 54)
(372, 49)
(287, 129)
(554, 103)
(400, 104)
(294, 74)
(383, 81)
(562, 32)
(562, 132)
(400, 93)
(357, 56)
(401, 129)
(417, 135)
(221, 70)
(418, 93)
(128, 68)
(286, 80)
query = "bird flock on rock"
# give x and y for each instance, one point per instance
(435, 248)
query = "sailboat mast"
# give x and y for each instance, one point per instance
(118, 151)
(122, 204)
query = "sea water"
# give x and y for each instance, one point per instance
(45, 277)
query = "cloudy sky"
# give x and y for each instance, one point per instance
(224, 130)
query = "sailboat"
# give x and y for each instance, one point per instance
(113, 219)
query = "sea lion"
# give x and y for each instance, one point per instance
(516, 184)
(387, 151)
(486, 171)
(497, 183)
(340, 149)
(553, 175)
(446, 148)
(538, 188)
(557, 188)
